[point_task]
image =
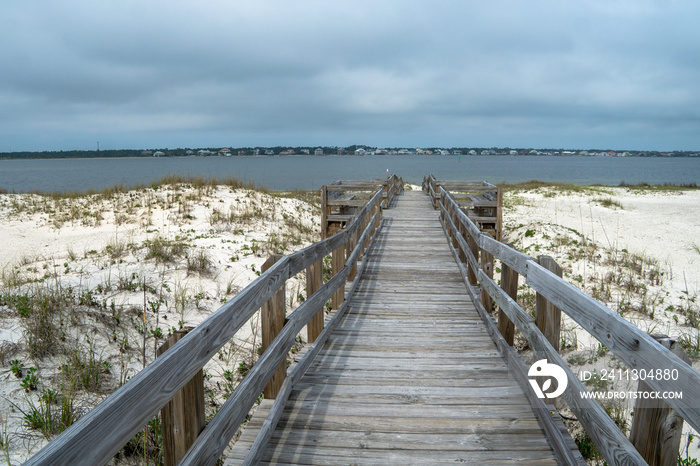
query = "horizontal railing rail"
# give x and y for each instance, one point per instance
(101, 433)
(482, 201)
(634, 347)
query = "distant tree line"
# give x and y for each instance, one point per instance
(327, 150)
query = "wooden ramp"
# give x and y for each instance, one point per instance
(410, 375)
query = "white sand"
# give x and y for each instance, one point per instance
(57, 242)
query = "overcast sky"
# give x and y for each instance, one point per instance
(546, 74)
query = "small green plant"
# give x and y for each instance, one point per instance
(243, 368)
(16, 367)
(30, 381)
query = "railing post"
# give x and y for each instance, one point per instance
(509, 284)
(656, 428)
(499, 213)
(385, 194)
(183, 418)
(471, 273)
(487, 267)
(349, 247)
(324, 212)
(548, 316)
(273, 315)
(314, 281)
(463, 232)
(337, 261)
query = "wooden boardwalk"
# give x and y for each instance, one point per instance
(410, 375)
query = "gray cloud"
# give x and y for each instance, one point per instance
(619, 74)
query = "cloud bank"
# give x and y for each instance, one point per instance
(603, 74)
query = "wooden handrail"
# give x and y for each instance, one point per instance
(633, 346)
(97, 437)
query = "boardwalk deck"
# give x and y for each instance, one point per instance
(410, 375)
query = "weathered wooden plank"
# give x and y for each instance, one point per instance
(547, 316)
(656, 429)
(340, 456)
(184, 416)
(314, 281)
(272, 316)
(509, 284)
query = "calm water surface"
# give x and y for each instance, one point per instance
(310, 172)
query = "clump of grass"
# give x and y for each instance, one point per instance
(116, 248)
(164, 250)
(609, 202)
(53, 414)
(199, 262)
(147, 444)
(85, 367)
(40, 311)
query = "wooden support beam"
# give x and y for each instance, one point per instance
(474, 247)
(314, 281)
(656, 428)
(487, 267)
(273, 314)
(337, 260)
(324, 212)
(509, 284)
(499, 214)
(548, 316)
(183, 418)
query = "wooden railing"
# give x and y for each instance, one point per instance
(341, 200)
(100, 434)
(475, 251)
(481, 201)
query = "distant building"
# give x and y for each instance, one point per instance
(472, 152)
(513, 152)
(256, 151)
(269, 152)
(204, 152)
(456, 152)
(287, 152)
(147, 153)
(360, 151)
(158, 154)
(226, 152)
(318, 151)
